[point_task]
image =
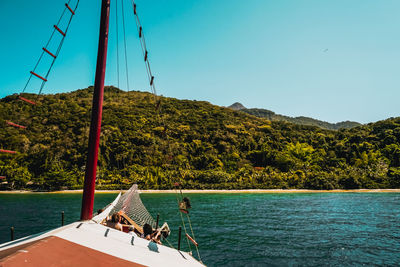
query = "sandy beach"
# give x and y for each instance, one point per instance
(219, 191)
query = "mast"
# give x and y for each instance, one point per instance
(95, 126)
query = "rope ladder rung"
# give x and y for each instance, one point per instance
(59, 30)
(70, 9)
(40, 77)
(192, 240)
(27, 100)
(15, 125)
(48, 52)
(7, 151)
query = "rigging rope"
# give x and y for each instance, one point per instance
(46, 50)
(191, 229)
(188, 218)
(183, 223)
(116, 23)
(126, 54)
(144, 50)
(157, 99)
(125, 57)
(157, 102)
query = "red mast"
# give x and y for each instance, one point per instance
(95, 126)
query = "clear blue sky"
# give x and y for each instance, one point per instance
(332, 60)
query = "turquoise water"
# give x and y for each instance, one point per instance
(326, 229)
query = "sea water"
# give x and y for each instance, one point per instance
(286, 229)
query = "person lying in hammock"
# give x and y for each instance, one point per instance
(149, 234)
(115, 222)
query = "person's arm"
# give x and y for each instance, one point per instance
(156, 238)
(118, 226)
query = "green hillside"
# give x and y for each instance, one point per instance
(195, 143)
(270, 115)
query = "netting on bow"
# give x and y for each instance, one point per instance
(131, 204)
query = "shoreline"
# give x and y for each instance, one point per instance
(215, 191)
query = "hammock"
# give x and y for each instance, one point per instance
(100, 217)
(131, 204)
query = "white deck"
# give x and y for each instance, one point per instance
(114, 243)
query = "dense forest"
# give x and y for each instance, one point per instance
(157, 141)
(270, 115)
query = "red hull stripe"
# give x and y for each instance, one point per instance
(40, 77)
(60, 31)
(7, 151)
(27, 100)
(48, 52)
(15, 125)
(70, 9)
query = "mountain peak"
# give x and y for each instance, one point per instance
(237, 106)
(270, 115)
